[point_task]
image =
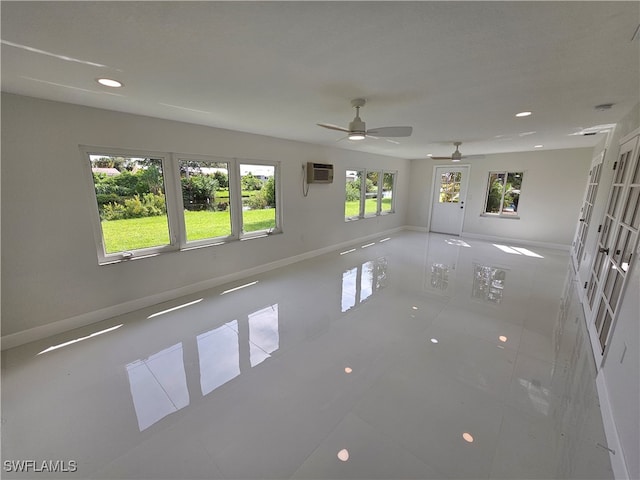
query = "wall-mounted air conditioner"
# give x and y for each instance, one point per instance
(319, 173)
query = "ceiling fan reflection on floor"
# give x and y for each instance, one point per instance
(357, 129)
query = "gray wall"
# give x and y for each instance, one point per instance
(552, 190)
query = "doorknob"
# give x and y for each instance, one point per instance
(582, 219)
(604, 250)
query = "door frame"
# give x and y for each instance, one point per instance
(434, 185)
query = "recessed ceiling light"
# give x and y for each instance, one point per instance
(343, 454)
(468, 437)
(429, 154)
(538, 146)
(523, 114)
(108, 82)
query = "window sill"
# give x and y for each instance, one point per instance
(498, 215)
(113, 260)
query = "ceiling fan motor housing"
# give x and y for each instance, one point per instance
(357, 126)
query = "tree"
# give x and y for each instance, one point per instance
(249, 182)
(198, 191)
(269, 191)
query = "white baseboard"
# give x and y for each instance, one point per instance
(616, 455)
(38, 333)
(511, 241)
(414, 228)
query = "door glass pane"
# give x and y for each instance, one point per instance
(131, 202)
(258, 185)
(450, 187)
(205, 199)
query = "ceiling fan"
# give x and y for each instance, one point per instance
(455, 156)
(358, 131)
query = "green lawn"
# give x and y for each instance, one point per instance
(352, 209)
(136, 233)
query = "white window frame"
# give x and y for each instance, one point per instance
(231, 172)
(174, 202)
(501, 213)
(363, 193)
(392, 209)
(169, 192)
(238, 199)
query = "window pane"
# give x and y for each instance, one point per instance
(258, 197)
(450, 187)
(205, 198)
(387, 192)
(131, 201)
(512, 193)
(495, 190)
(352, 194)
(371, 201)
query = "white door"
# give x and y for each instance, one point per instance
(616, 244)
(449, 195)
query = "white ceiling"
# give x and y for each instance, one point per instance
(452, 70)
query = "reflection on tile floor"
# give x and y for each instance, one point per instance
(421, 356)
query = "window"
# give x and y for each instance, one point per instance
(151, 203)
(370, 198)
(388, 184)
(353, 194)
(258, 197)
(503, 193)
(130, 195)
(205, 199)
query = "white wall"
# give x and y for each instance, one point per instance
(549, 205)
(50, 272)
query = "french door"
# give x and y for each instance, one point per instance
(616, 245)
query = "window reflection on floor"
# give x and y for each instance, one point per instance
(359, 283)
(488, 283)
(158, 383)
(219, 355)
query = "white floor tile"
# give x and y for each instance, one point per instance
(338, 352)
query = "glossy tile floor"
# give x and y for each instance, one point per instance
(414, 356)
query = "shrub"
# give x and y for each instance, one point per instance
(135, 207)
(257, 202)
(198, 192)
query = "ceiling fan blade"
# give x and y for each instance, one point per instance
(441, 158)
(332, 127)
(380, 138)
(391, 131)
